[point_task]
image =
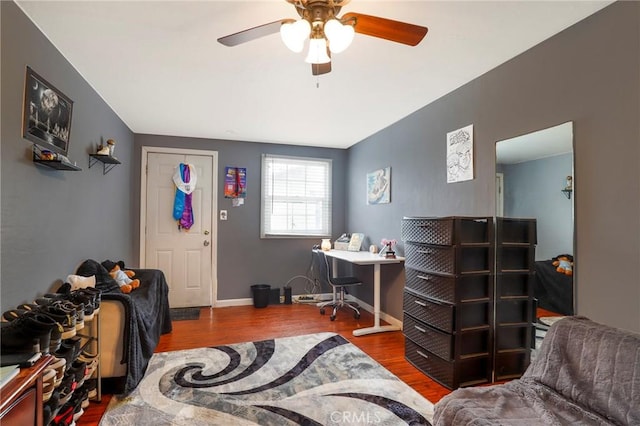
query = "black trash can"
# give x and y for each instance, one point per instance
(260, 295)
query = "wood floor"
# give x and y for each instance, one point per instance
(246, 323)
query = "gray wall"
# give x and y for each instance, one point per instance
(533, 189)
(52, 220)
(243, 258)
(588, 74)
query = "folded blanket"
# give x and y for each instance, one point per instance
(147, 315)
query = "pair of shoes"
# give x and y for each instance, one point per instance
(50, 408)
(59, 365)
(48, 384)
(88, 296)
(79, 402)
(29, 332)
(64, 416)
(79, 370)
(91, 360)
(69, 350)
(67, 387)
(59, 313)
(92, 387)
(60, 301)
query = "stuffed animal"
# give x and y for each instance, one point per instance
(122, 276)
(564, 264)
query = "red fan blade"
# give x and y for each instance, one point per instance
(253, 33)
(387, 29)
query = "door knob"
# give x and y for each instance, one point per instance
(206, 243)
(206, 232)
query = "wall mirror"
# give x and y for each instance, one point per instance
(534, 179)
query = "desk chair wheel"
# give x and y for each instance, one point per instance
(321, 311)
(332, 317)
(356, 315)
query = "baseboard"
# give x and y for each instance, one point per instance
(383, 316)
(317, 298)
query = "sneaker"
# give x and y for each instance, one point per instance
(92, 388)
(79, 370)
(60, 366)
(62, 316)
(61, 302)
(95, 295)
(91, 360)
(82, 299)
(19, 336)
(65, 352)
(67, 387)
(11, 315)
(48, 385)
(64, 416)
(50, 408)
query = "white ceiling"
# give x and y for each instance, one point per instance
(544, 143)
(159, 66)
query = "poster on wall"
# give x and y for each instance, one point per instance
(46, 114)
(235, 184)
(379, 186)
(460, 154)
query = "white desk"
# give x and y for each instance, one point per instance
(366, 258)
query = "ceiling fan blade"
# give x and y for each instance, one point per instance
(319, 69)
(253, 33)
(387, 29)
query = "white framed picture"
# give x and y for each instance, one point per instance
(379, 186)
(460, 155)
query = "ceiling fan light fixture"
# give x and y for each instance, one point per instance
(294, 34)
(339, 35)
(317, 52)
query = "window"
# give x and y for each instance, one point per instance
(296, 197)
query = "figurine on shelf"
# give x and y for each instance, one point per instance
(387, 248)
(111, 144)
(103, 150)
(47, 155)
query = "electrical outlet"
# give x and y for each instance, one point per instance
(223, 215)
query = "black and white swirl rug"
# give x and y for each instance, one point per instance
(315, 379)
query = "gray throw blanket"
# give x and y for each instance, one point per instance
(586, 373)
(147, 315)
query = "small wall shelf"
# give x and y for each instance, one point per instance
(108, 162)
(55, 164)
(567, 192)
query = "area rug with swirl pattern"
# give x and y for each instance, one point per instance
(314, 379)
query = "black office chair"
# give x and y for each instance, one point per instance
(338, 284)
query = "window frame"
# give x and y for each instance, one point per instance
(267, 199)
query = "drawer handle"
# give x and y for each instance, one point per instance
(420, 329)
(421, 303)
(422, 354)
(422, 277)
(425, 251)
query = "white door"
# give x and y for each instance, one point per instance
(185, 256)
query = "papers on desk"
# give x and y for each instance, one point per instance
(7, 373)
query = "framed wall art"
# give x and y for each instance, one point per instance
(379, 186)
(460, 154)
(46, 115)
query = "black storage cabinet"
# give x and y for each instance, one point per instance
(448, 298)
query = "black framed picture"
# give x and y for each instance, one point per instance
(46, 116)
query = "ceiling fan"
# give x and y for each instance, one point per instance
(328, 33)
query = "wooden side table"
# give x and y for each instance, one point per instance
(21, 398)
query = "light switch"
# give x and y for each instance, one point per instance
(223, 215)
